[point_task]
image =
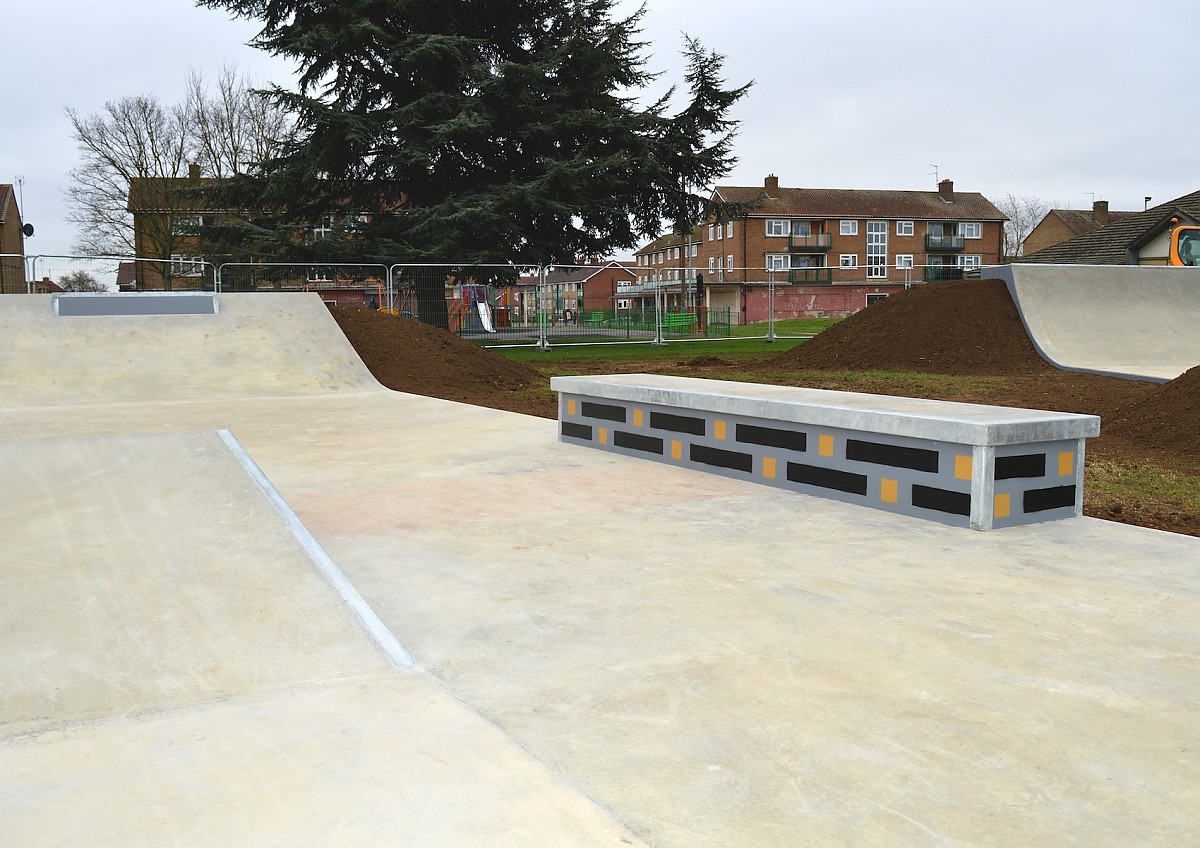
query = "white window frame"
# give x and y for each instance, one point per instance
(186, 224)
(710, 231)
(729, 262)
(711, 264)
(877, 232)
(186, 266)
(802, 229)
(904, 260)
(848, 260)
(848, 228)
(971, 229)
(970, 260)
(729, 230)
(777, 228)
(778, 261)
(324, 228)
(905, 228)
(695, 249)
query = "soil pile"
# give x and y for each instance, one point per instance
(1168, 419)
(970, 327)
(408, 356)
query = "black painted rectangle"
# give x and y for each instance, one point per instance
(827, 478)
(942, 500)
(1055, 497)
(752, 434)
(896, 456)
(603, 411)
(1025, 465)
(577, 431)
(722, 458)
(638, 442)
(677, 423)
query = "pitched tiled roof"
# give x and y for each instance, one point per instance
(1080, 221)
(862, 203)
(1112, 244)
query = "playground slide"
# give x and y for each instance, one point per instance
(485, 316)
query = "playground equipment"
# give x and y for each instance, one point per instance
(473, 301)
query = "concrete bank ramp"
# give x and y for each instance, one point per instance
(178, 667)
(1141, 323)
(119, 348)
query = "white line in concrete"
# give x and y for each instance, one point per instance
(362, 611)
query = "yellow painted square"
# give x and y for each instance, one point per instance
(1002, 506)
(889, 490)
(962, 467)
(604, 435)
(825, 445)
(676, 449)
(769, 467)
(719, 430)
(571, 406)
(1066, 464)
(637, 418)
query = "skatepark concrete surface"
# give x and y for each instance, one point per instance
(1137, 322)
(576, 649)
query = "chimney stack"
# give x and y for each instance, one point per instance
(193, 171)
(1100, 212)
(771, 185)
(946, 190)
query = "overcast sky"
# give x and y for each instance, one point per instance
(1061, 100)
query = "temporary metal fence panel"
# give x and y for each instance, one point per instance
(13, 276)
(121, 273)
(361, 285)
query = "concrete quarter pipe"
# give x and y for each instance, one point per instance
(1122, 321)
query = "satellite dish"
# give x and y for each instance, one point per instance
(27, 230)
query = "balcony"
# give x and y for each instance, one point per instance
(810, 244)
(944, 244)
(810, 275)
(942, 273)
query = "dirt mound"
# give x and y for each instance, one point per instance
(960, 328)
(408, 356)
(1168, 419)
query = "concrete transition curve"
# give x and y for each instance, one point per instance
(1123, 321)
(117, 348)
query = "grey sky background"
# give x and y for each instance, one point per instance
(1059, 100)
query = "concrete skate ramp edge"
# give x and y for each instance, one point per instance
(114, 348)
(1140, 323)
(150, 571)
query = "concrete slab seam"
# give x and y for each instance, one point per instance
(362, 611)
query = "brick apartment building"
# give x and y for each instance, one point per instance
(12, 244)
(827, 251)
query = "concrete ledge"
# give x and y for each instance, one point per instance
(961, 464)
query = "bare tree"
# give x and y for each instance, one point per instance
(234, 127)
(138, 141)
(131, 138)
(1024, 213)
(80, 281)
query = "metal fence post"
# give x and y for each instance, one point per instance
(543, 343)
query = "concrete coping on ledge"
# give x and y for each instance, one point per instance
(962, 423)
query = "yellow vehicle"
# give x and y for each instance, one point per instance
(1185, 245)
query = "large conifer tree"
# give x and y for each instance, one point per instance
(488, 130)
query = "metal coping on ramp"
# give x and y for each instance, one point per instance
(965, 465)
(98, 305)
